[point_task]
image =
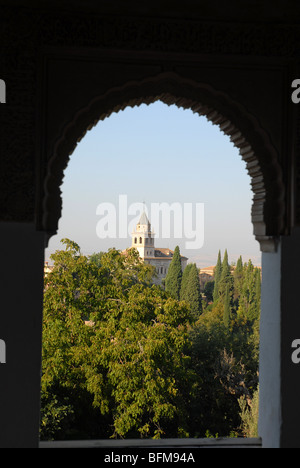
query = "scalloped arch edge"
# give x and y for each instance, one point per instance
(233, 119)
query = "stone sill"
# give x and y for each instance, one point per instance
(157, 444)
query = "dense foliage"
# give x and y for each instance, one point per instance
(125, 358)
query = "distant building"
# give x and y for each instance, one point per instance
(160, 258)
(205, 275)
(47, 268)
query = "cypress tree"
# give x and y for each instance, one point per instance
(238, 276)
(217, 277)
(185, 280)
(226, 277)
(190, 290)
(254, 295)
(239, 265)
(225, 266)
(258, 288)
(227, 308)
(174, 275)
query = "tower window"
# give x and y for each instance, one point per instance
(140, 240)
(135, 240)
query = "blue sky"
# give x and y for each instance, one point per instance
(156, 154)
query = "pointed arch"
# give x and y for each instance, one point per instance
(243, 128)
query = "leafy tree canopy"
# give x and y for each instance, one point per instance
(124, 358)
(114, 342)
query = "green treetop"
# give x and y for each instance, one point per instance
(226, 277)
(190, 289)
(217, 277)
(174, 275)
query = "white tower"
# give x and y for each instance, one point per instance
(143, 238)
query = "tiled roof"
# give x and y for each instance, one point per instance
(162, 252)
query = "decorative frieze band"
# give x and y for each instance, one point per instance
(78, 29)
